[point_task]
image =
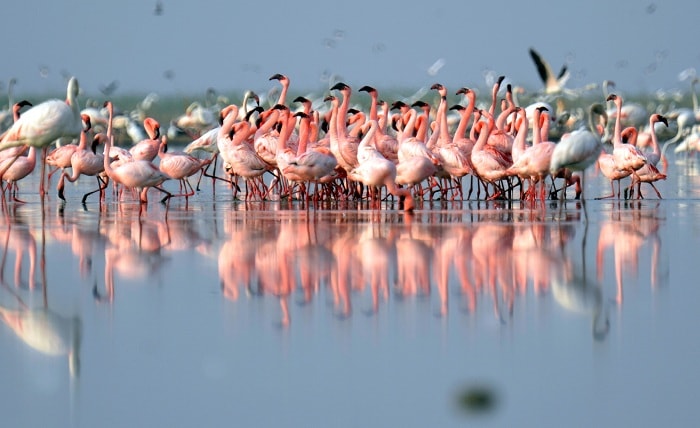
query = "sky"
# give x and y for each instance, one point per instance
(186, 47)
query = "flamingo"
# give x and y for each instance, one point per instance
(148, 148)
(649, 173)
(489, 163)
(238, 156)
(375, 170)
(284, 81)
(626, 156)
(60, 157)
(315, 164)
(577, 150)
(606, 163)
(385, 143)
(454, 159)
(15, 151)
(43, 124)
(179, 166)
(85, 162)
(537, 158)
(139, 174)
(342, 145)
(552, 84)
(7, 117)
(15, 169)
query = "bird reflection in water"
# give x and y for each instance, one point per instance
(576, 290)
(630, 229)
(492, 254)
(41, 328)
(133, 248)
(18, 239)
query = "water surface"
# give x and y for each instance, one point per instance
(217, 312)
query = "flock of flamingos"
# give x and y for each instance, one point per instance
(299, 150)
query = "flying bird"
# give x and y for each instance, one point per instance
(552, 84)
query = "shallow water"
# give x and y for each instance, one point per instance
(215, 312)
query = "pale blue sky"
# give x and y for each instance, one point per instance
(233, 46)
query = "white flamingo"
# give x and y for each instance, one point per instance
(45, 123)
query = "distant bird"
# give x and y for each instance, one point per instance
(552, 84)
(158, 9)
(108, 90)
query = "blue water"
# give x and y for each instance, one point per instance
(221, 313)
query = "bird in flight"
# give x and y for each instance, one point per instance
(552, 84)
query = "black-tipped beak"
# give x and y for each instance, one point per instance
(339, 86)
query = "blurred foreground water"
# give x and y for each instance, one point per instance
(220, 312)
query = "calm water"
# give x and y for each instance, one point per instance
(220, 313)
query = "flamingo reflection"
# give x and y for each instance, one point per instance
(627, 232)
(575, 290)
(41, 328)
(133, 249)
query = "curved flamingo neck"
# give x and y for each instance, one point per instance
(83, 140)
(521, 136)
(444, 137)
(333, 125)
(472, 132)
(382, 121)
(304, 132)
(461, 131)
(373, 114)
(283, 95)
(343, 112)
(287, 129)
(544, 126)
(536, 131)
(106, 162)
(422, 122)
(494, 95)
(110, 119)
(617, 137)
(630, 135)
(410, 125)
(231, 114)
(269, 123)
(369, 136)
(471, 96)
(652, 132)
(484, 129)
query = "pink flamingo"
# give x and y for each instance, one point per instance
(375, 170)
(179, 166)
(385, 143)
(626, 156)
(139, 174)
(20, 150)
(535, 160)
(85, 162)
(148, 149)
(239, 157)
(15, 169)
(315, 164)
(649, 173)
(59, 158)
(489, 163)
